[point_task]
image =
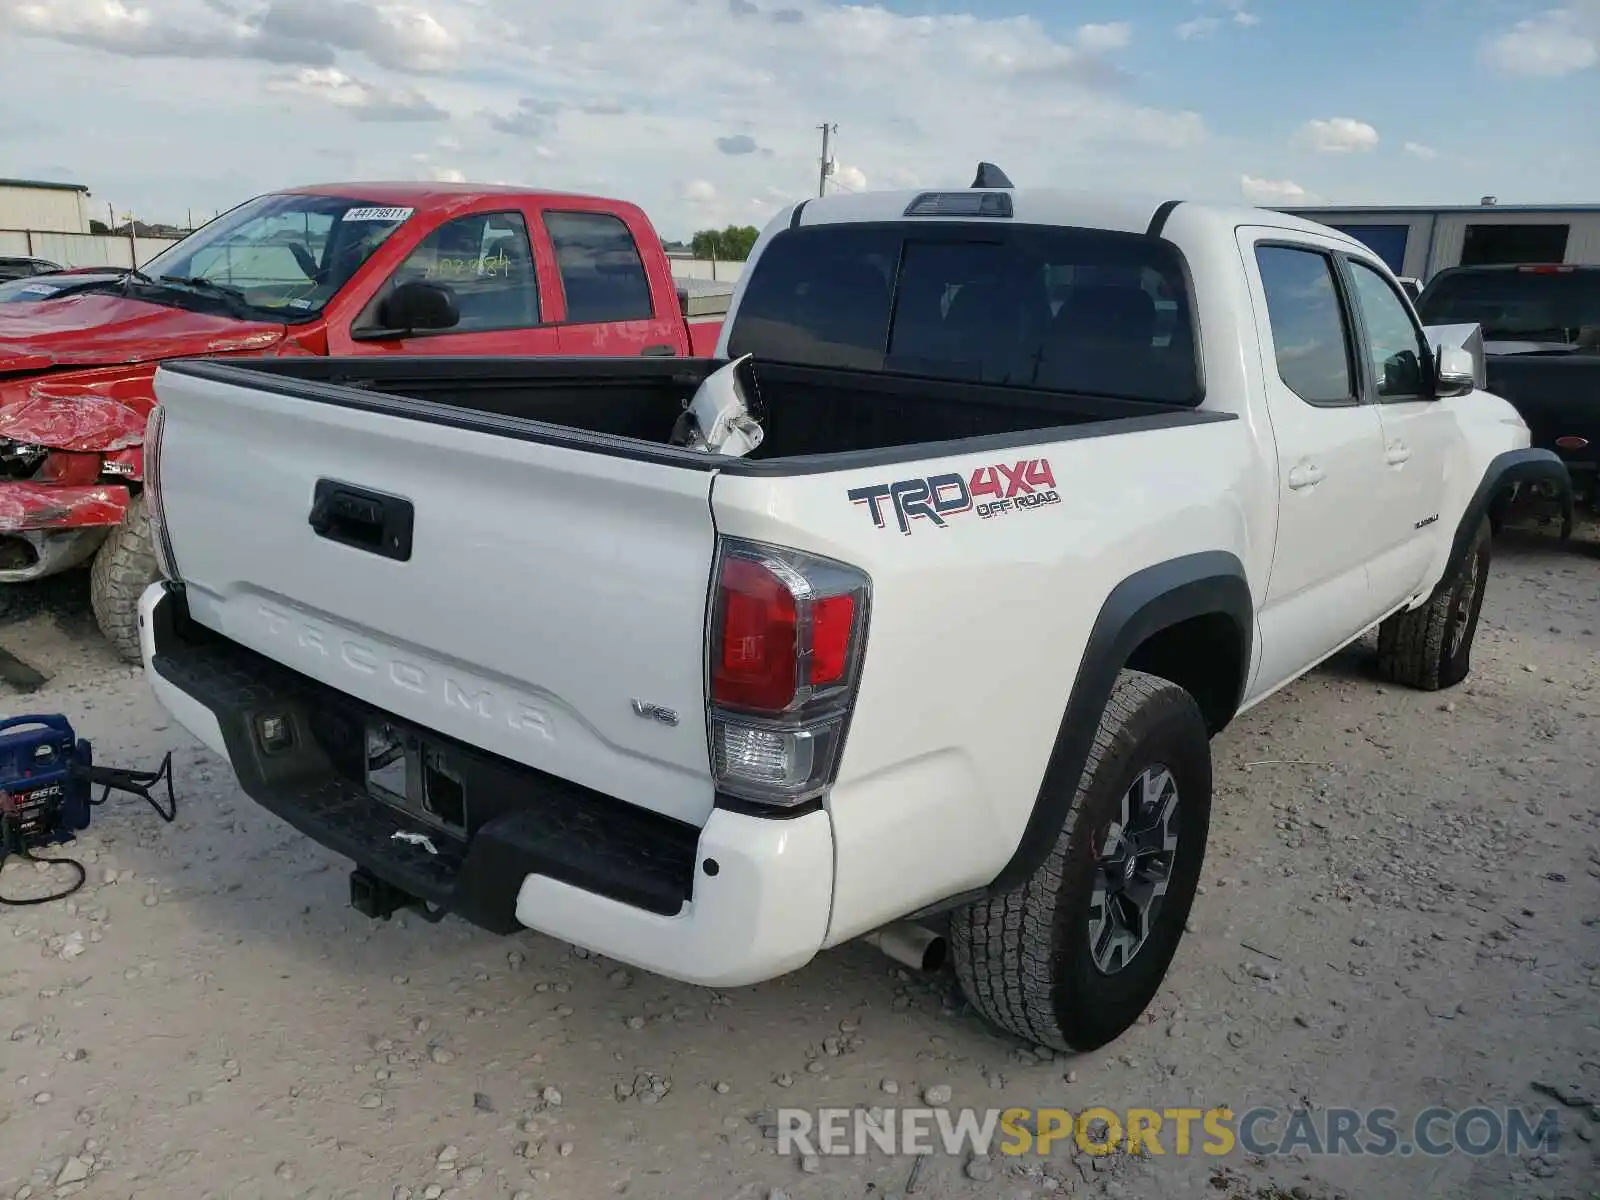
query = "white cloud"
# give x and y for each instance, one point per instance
(1227, 11)
(851, 179)
(392, 35)
(1199, 27)
(1102, 38)
(1556, 42)
(367, 102)
(700, 191)
(1419, 150)
(1240, 13)
(632, 98)
(1273, 192)
(1338, 135)
(530, 118)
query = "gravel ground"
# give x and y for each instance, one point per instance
(1399, 909)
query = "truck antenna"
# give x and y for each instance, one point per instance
(991, 176)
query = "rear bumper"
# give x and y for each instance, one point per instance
(741, 900)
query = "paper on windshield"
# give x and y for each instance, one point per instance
(378, 214)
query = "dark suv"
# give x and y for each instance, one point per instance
(21, 268)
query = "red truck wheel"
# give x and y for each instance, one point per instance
(123, 567)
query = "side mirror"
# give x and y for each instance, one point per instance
(1459, 362)
(414, 306)
(683, 300)
(1455, 372)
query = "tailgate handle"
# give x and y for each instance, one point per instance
(666, 351)
(362, 519)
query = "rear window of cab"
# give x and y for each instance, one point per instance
(1084, 311)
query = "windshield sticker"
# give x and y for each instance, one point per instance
(300, 303)
(378, 214)
(39, 289)
(990, 492)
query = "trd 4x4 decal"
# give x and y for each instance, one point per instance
(990, 492)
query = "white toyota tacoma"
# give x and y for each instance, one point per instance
(1021, 497)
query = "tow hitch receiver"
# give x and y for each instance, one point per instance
(378, 898)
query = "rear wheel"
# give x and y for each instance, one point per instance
(123, 568)
(1431, 647)
(1071, 958)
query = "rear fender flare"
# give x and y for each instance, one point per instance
(1155, 598)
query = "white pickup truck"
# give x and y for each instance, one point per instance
(1049, 488)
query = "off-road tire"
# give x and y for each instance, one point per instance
(123, 567)
(1416, 648)
(1024, 958)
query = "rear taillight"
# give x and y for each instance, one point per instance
(787, 635)
(159, 539)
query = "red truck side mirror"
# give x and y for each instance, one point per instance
(415, 306)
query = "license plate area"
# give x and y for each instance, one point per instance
(416, 777)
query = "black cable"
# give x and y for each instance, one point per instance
(11, 844)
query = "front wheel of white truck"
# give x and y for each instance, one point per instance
(1071, 958)
(1430, 648)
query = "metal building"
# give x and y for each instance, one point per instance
(43, 207)
(1422, 241)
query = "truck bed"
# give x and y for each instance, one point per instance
(835, 418)
(510, 554)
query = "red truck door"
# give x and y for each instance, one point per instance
(487, 260)
(616, 300)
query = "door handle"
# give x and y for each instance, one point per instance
(362, 519)
(1398, 453)
(659, 352)
(1305, 475)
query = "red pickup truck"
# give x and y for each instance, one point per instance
(343, 269)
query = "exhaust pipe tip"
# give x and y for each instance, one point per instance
(911, 945)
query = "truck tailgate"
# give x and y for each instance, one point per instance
(551, 609)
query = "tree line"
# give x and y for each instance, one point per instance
(732, 244)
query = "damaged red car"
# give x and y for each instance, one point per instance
(343, 269)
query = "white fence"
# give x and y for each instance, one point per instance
(80, 249)
(705, 268)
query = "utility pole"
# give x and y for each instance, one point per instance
(826, 168)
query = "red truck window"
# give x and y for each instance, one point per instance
(486, 261)
(602, 274)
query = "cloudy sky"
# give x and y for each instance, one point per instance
(706, 111)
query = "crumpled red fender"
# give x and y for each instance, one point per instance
(102, 411)
(35, 506)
